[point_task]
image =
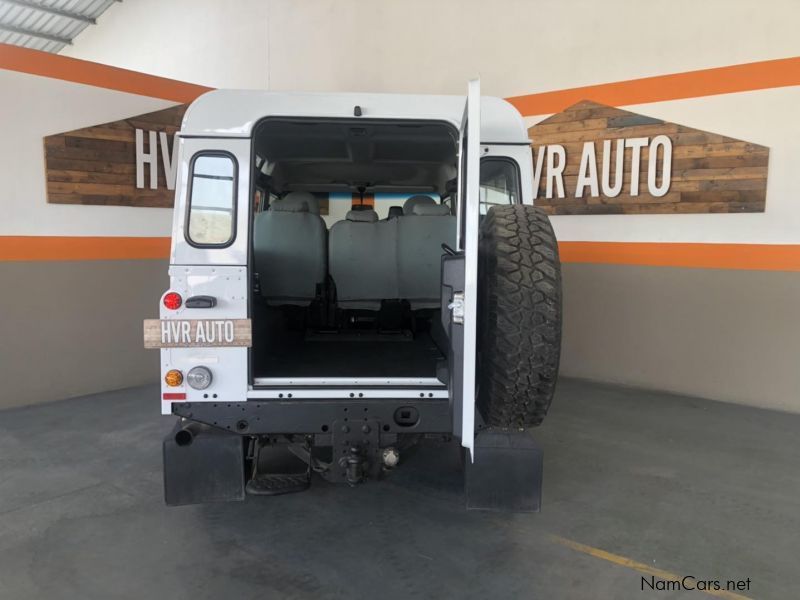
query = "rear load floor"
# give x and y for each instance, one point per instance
(295, 354)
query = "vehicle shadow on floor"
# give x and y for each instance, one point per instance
(406, 536)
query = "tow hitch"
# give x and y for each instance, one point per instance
(283, 465)
(346, 441)
(356, 450)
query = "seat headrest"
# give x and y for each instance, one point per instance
(395, 211)
(298, 198)
(408, 205)
(431, 210)
(362, 216)
(287, 205)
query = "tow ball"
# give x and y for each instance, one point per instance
(357, 446)
(355, 465)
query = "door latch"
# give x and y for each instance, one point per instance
(457, 308)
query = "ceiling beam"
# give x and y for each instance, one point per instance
(52, 11)
(37, 34)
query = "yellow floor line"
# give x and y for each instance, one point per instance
(637, 566)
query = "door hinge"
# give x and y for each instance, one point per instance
(457, 308)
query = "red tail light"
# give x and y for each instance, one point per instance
(173, 300)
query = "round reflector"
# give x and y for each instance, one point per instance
(173, 378)
(173, 300)
(199, 378)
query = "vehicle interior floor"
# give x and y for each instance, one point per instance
(303, 352)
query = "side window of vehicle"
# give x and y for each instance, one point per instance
(499, 183)
(211, 219)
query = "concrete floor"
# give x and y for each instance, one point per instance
(683, 485)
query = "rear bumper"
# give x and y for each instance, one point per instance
(318, 416)
(205, 456)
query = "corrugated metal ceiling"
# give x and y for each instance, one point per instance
(47, 25)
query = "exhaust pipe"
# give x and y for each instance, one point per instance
(185, 436)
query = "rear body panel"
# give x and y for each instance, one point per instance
(239, 404)
(228, 285)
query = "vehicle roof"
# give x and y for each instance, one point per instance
(234, 113)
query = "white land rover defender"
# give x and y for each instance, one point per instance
(350, 274)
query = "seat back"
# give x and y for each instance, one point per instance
(362, 253)
(419, 253)
(290, 250)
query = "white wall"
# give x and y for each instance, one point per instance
(39, 107)
(517, 46)
(208, 42)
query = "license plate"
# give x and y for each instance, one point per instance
(197, 333)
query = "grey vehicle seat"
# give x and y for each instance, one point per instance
(410, 203)
(307, 197)
(419, 252)
(290, 250)
(362, 253)
(395, 211)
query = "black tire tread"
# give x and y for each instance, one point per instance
(519, 316)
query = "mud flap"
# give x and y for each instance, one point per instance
(202, 464)
(506, 474)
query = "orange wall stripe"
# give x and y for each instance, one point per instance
(50, 248)
(693, 84)
(65, 68)
(759, 257)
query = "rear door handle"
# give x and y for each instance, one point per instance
(201, 302)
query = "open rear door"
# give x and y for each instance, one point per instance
(467, 242)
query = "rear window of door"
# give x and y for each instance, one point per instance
(211, 220)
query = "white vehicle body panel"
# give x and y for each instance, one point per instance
(234, 113)
(228, 284)
(469, 210)
(224, 121)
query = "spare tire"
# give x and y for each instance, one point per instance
(519, 316)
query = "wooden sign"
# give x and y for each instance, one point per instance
(131, 162)
(596, 159)
(185, 333)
